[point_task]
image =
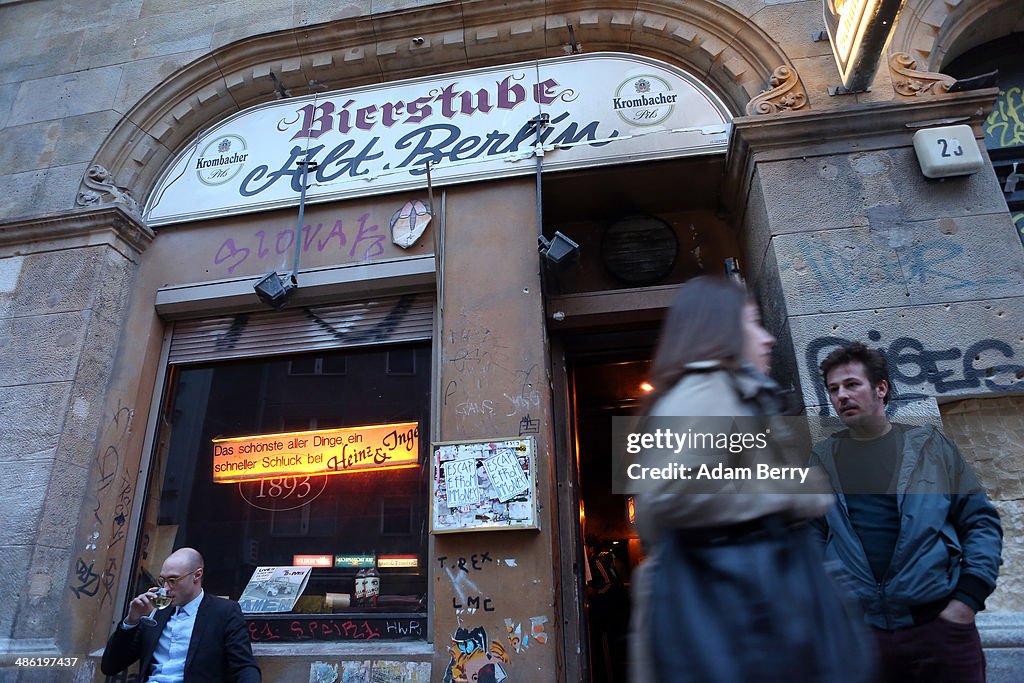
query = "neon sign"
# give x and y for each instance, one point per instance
(398, 561)
(312, 560)
(326, 451)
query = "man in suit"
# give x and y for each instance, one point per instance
(199, 639)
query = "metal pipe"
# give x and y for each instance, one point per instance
(306, 166)
(539, 122)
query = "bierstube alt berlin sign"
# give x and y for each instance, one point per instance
(603, 108)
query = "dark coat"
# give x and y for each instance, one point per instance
(219, 651)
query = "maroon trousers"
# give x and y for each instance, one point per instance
(938, 651)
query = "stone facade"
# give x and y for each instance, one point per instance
(842, 237)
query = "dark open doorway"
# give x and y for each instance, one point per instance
(604, 377)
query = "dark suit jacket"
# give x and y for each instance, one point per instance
(219, 651)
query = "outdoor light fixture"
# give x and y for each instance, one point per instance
(559, 250)
(948, 151)
(273, 288)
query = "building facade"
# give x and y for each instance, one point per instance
(149, 399)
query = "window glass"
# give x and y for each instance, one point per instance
(366, 522)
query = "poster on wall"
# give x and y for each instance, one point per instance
(489, 484)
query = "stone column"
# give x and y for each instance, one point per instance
(845, 239)
(495, 383)
(64, 290)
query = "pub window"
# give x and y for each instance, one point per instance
(370, 517)
(317, 365)
(401, 362)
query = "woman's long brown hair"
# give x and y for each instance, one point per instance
(705, 323)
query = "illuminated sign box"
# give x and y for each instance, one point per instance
(354, 561)
(312, 560)
(858, 31)
(397, 561)
(326, 451)
(947, 151)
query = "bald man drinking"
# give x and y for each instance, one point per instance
(200, 639)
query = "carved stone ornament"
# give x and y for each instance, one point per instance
(786, 94)
(907, 81)
(102, 190)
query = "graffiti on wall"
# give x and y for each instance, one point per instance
(476, 561)
(1005, 125)
(840, 273)
(468, 597)
(535, 633)
(528, 425)
(330, 629)
(477, 358)
(343, 331)
(111, 492)
(912, 364)
(88, 581)
(473, 659)
(361, 241)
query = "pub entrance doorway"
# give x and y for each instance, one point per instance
(604, 377)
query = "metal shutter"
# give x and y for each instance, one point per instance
(388, 320)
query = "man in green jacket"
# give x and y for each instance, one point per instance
(915, 536)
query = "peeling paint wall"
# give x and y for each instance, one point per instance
(493, 591)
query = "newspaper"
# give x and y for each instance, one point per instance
(274, 589)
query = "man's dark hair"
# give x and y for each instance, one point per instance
(875, 366)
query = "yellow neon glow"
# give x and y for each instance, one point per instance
(326, 451)
(853, 19)
(854, 15)
(397, 561)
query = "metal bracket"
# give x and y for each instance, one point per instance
(834, 90)
(574, 47)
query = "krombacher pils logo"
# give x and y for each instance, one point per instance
(645, 100)
(221, 159)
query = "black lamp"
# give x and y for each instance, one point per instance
(275, 290)
(559, 250)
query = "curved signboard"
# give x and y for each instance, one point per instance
(601, 108)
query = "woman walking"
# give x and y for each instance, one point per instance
(733, 589)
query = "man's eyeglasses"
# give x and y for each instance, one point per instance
(172, 580)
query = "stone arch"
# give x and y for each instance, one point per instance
(715, 43)
(934, 32)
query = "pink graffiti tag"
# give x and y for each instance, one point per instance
(261, 246)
